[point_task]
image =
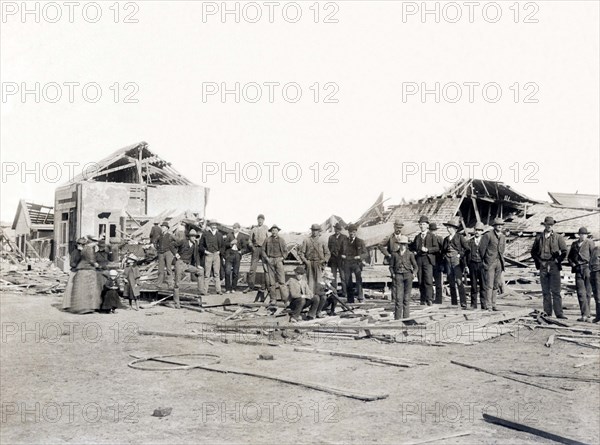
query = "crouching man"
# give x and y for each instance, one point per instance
(404, 265)
(187, 259)
(301, 297)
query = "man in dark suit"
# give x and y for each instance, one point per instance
(390, 245)
(187, 260)
(353, 251)
(403, 265)
(579, 258)
(476, 268)
(454, 250)
(491, 249)
(334, 244)
(438, 269)
(213, 244)
(426, 246)
(236, 244)
(166, 251)
(548, 252)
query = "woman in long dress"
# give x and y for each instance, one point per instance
(86, 295)
(74, 258)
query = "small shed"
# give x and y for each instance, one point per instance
(34, 229)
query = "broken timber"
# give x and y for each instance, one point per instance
(373, 358)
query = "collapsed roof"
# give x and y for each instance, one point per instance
(134, 164)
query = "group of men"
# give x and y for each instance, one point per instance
(428, 256)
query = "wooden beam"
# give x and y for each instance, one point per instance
(530, 429)
(111, 170)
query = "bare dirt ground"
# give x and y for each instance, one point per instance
(65, 379)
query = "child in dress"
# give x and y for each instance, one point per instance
(110, 293)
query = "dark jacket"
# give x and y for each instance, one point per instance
(166, 243)
(491, 249)
(431, 243)
(242, 243)
(334, 243)
(389, 245)
(190, 254)
(104, 256)
(74, 258)
(580, 254)
(353, 249)
(155, 233)
(459, 245)
(558, 249)
(212, 243)
(473, 253)
(400, 263)
(274, 247)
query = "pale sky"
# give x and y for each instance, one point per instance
(370, 57)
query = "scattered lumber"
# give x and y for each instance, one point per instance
(530, 429)
(328, 389)
(476, 368)
(558, 376)
(373, 358)
(580, 343)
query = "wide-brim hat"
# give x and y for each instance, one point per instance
(165, 224)
(275, 226)
(83, 241)
(101, 243)
(423, 219)
(583, 231)
(113, 273)
(498, 222)
(454, 222)
(315, 227)
(433, 226)
(300, 270)
(398, 223)
(192, 233)
(338, 226)
(403, 239)
(549, 221)
(352, 228)
(479, 226)
(131, 257)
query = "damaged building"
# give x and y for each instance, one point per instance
(125, 191)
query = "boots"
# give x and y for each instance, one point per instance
(176, 298)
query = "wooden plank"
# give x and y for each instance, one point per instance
(530, 429)
(551, 375)
(580, 343)
(438, 438)
(374, 358)
(476, 368)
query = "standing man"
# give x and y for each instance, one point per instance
(438, 269)
(235, 244)
(274, 251)
(548, 251)
(188, 260)
(491, 249)
(390, 245)
(155, 233)
(334, 244)
(314, 253)
(426, 247)
(166, 252)
(454, 249)
(579, 258)
(213, 246)
(258, 235)
(403, 265)
(353, 250)
(476, 268)
(595, 278)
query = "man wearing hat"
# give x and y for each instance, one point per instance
(314, 253)
(334, 244)
(579, 258)
(301, 296)
(438, 268)
(454, 250)
(352, 253)
(104, 255)
(426, 247)
(166, 252)
(476, 268)
(188, 261)
(390, 245)
(274, 251)
(213, 246)
(155, 233)
(595, 277)
(548, 252)
(491, 249)
(235, 246)
(258, 235)
(403, 264)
